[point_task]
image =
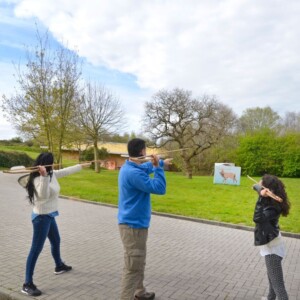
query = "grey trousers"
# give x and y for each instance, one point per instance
(134, 244)
(275, 275)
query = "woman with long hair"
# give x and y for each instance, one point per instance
(267, 232)
(43, 192)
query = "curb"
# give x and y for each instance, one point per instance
(191, 219)
(9, 294)
(6, 294)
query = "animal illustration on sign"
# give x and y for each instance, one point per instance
(227, 175)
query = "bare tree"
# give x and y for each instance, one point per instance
(100, 113)
(291, 121)
(194, 124)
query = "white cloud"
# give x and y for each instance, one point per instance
(245, 52)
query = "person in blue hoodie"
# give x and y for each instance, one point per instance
(135, 187)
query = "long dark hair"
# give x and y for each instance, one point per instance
(275, 185)
(43, 159)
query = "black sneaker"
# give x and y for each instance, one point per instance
(62, 269)
(31, 290)
(146, 296)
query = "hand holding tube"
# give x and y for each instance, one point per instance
(263, 191)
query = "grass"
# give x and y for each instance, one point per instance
(32, 152)
(198, 198)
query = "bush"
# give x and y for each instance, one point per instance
(264, 152)
(10, 159)
(291, 157)
(88, 155)
(29, 143)
(16, 140)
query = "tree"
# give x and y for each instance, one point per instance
(291, 156)
(43, 106)
(30, 108)
(117, 138)
(254, 119)
(267, 152)
(291, 122)
(65, 97)
(99, 114)
(260, 153)
(89, 155)
(193, 124)
(223, 152)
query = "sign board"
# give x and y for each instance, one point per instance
(227, 173)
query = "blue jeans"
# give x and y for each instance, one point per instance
(43, 226)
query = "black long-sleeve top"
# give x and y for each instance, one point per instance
(266, 216)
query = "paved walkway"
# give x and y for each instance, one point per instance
(186, 260)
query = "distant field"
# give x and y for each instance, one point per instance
(198, 198)
(32, 152)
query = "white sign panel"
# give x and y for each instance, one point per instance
(227, 174)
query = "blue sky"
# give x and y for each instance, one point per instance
(16, 34)
(246, 52)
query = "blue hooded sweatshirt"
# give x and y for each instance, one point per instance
(135, 187)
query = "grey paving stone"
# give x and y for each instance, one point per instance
(186, 260)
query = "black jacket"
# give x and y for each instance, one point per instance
(266, 216)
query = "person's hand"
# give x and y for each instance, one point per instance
(168, 161)
(155, 160)
(42, 170)
(265, 192)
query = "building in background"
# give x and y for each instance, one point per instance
(116, 151)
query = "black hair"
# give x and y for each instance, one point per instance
(44, 159)
(135, 147)
(275, 185)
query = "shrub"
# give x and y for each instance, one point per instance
(10, 159)
(88, 154)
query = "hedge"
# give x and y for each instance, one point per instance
(10, 159)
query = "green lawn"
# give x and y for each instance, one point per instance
(32, 152)
(198, 197)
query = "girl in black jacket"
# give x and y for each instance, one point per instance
(267, 234)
